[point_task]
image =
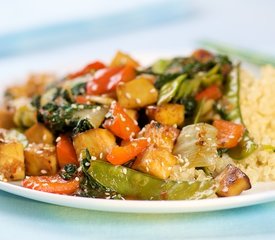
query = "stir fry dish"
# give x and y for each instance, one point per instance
(170, 131)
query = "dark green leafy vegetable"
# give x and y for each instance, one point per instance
(68, 171)
(62, 118)
(131, 183)
(82, 126)
(79, 89)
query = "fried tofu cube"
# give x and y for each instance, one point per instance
(167, 114)
(132, 113)
(137, 93)
(156, 161)
(98, 141)
(38, 133)
(40, 159)
(232, 181)
(12, 166)
(160, 136)
(6, 119)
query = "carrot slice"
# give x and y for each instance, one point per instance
(123, 154)
(65, 151)
(120, 123)
(212, 92)
(229, 133)
(51, 184)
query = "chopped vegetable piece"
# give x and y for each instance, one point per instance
(130, 95)
(6, 119)
(160, 136)
(51, 184)
(98, 141)
(229, 133)
(40, 159)
(11, 160)
(232, 112)
(131, 183)
(123, 154)
(38, 133)
(157, 162)
(232, 181)
(102, 81)
(120, 123)
(202, 55)
(122, 59)
(212, 92)
(68, 172)
(94, 66)
(197, 145)
(169, 90)
(65, 151)
(167, 114)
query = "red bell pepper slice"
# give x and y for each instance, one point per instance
(94, 66)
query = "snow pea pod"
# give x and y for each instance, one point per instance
(232, 93)
(131, 183)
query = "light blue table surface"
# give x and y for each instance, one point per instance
(242, 23)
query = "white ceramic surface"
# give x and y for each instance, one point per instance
(260, 193)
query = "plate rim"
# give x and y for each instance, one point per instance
(141, 206)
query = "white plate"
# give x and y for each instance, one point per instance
(260, 193)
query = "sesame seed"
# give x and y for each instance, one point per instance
(58, 139)
(43, 171)
(128, 95)
(138, 101)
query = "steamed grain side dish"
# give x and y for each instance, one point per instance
(188, 127)
(258, 108)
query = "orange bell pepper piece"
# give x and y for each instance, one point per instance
(120, 123)
(122, 154)
(212, 92)
(229, 133)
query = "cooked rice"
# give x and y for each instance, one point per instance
(258, 110)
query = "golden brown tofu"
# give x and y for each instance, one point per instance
(38, 133)
(40, 159)
(156, 161)
(98, 141)
(137, 93)
(6, 119)
(168, 114)
(12, 166)
(160, 136)
(121, 59)
(132, 113)
(35, 85)
(232, 181)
